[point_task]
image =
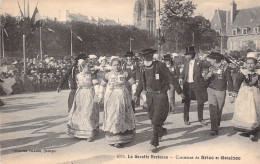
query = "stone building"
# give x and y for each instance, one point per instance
(239, 28)
(145, 15)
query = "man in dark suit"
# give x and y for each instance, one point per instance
(194, 85)
(155, 80)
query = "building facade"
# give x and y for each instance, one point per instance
(239, 28)
(145, 15)
(87, 19)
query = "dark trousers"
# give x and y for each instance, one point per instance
(190, 87)
(1, 103)
(71, 98)
(187, 108)
(158, 108)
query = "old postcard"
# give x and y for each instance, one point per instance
(129, 81)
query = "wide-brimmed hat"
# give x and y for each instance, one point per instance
(167, 57)
(81, 56)
(215, 55)
(129, 54)
(190, 50)
(148, 51)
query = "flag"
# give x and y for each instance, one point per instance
(36, 19)
(131, 38)
(80, 38)
(26, 26)
(20, 9)
(6, 33)
(161, 37)
(51, 30)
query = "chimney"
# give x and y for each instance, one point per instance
(233, 10)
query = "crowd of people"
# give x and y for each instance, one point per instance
(116, 88)
(40, 75)
(115, 85)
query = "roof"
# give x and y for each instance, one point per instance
(246, 18)
(219, 21)
(222, 16)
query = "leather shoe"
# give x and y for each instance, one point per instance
(213, 133)
(186, 122)
(202, 122)
(90, 139)
(153, 148)
(117, 145)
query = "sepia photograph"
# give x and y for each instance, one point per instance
(129, 81)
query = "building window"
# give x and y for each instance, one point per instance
(231, 46)
(244, 31)
(255, 30)
(234, 31)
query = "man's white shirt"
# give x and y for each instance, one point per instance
(190, 72)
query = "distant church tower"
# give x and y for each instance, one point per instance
(145, 15)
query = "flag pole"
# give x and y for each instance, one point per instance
(24, 7)
(159, 31)
(221, 44)
(130, 44)
(24, 55)
(193, 42)
(71, 42)
(1, 48)
(3, 42)
(41, 42)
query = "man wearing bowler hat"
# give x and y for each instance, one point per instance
(194, 85)
(70, 75)
(155, 78)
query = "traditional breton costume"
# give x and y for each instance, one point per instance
(246, 116)
(219, 79)
(84, 117)
(119, 119)
(155, 80)
(101, 71)
(70, 75)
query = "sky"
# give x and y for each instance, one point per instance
(121, 10)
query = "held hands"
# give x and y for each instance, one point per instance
(135, 98)
(232, 97)
(208, 75)
(180, 81)
(182, 95)
(97, 99)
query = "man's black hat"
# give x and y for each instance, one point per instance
(129, 54)
(215, 55)
(148, 51)
(81, 56)
(167, 57)
(190, 50)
